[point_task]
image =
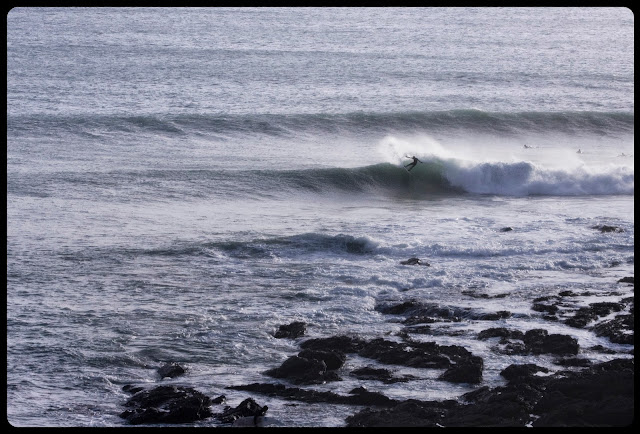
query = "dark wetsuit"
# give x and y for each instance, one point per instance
(412, 165)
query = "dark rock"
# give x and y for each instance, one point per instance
(384, 375)
(483, 295)
(468, 370)
(605, 308)
(410, 413)
(549, 308)
(343, 344)
(603, 350)
(412, 320)
(426, 355)
(372, 398)
(582, 317)
(520, 373)
(300, 370)
(219, 400)
(423, 356)
(600, 395)
(545, 298)
(493, 316)
(539, 341)
(514, 348)
(402, 308)
(573, 361)
(414, 261)
(628, 279)
(506, 229)
(170, 370)
(359, 396)
(132, 389)
(605, 228)
(536, 341)
(619, 330)
(246, 408)
(167, 404)
(333, 359)
(500, 332)
(422, 330)
(291, 331)
(429, 311)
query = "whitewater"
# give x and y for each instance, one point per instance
(176, 196)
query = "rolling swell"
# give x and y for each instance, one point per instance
(438, 176)
(471, 120)
(435, 177)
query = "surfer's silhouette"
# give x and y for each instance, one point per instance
(412, 165)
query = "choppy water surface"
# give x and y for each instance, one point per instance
(180, 182)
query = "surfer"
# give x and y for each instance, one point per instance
(412, 165)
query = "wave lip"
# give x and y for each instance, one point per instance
(527, 179)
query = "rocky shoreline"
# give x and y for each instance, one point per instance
(581, 393)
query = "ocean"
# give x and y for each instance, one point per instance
(183, 181)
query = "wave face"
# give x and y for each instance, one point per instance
(596, 123)
(434, 177)
(450, 176)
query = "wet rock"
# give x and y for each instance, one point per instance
(413, 320)
(414, 261)
(219, 400)
(483, 295)
(573, 361)
(506, 229)
(406, 414)
(420, 329)
(602, 350)
(539, 341)
(582, 317)
(332, 359)
(404, 308)
(247, 408)
(628, 279)
(371, 398)
(600, 395)
(468, 370)
(493, 316)
(619, 330)
(536, 341)
(167, 404)
(605, 308)
(300, 370)
(291, 331)
(605, 228)
(384, 375)
(549, 308)
(500, 332)
(343, 344)
(416, 356)
(520, 373)
(427, 355)
(358, 396)
(170, 370)
(132, 389)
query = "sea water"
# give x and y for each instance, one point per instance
(180, 182)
